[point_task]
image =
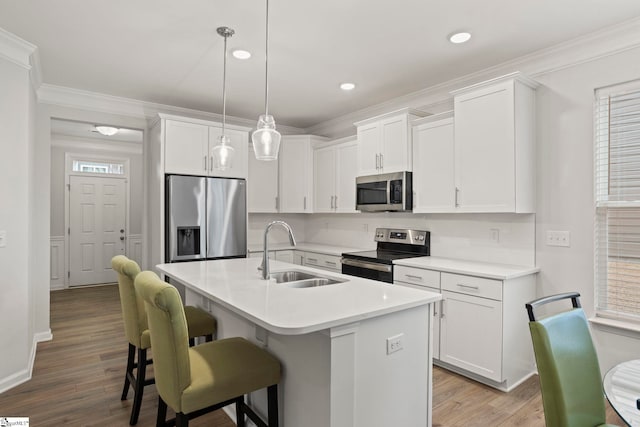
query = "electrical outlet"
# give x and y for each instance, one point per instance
(558, 238)
(495, 234)
(394, 343)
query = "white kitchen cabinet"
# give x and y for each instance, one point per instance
(287, 255)
(296, 173)
(262, 185)
(384, 142)
(188, 149)
(335, 176)
(427, 280)
(495, 146)
(433, 164)
(322, 261)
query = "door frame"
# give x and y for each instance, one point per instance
(69, 157)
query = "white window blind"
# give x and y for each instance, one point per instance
(617, 185)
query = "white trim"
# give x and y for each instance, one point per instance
(36, 70)
(135, 248)
(24, 375)
(68, 162)
(15, 49)
(57, 258)
(617, 327)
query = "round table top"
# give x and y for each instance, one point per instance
(622, 388)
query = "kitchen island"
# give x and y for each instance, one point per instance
(355, 353)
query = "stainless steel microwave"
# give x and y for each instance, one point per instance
(384, 192)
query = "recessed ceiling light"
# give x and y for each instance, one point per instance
(347, 86)
(459, 37)
(241, 54)
(107, 130)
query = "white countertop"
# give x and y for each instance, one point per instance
(310, 247)
(470, 268)
(236, 284)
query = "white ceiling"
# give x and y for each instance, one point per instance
(168, 52)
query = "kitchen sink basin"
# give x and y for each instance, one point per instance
(301, 279)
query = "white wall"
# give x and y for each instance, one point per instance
(18, 187)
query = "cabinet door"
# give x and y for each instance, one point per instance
(262, 185)
(346, 172)
(284, 256)
(485, 149)
(396, 146)
(324, 166)
(433, 167)
(240, 144)
(369, 141)
(185, 148)
(471, 334)
(296, 168)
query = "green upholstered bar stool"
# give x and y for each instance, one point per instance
(570, 379)
(196, 380)
(200, 324)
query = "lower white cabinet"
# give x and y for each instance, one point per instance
(323, 261)
(291, 256)
(480, 327)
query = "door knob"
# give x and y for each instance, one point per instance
(122, 230)
(121, 237)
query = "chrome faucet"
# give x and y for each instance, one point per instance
(265, 253)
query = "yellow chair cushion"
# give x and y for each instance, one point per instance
(227, 368)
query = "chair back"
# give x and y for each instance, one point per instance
(169, 337)
(570, 378)
(133, 312)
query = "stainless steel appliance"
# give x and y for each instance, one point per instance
(393, 244)
(384, 192)
(205, 218)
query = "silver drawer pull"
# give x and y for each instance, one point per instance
(330, 262)
(411, 276)
(312, 260)
(468, 286)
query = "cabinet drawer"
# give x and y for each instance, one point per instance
(329, 262)
(477, 286)
(416, 276)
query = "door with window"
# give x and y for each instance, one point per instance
(97, 218)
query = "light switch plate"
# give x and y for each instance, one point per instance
(558, 238)
(3, 238)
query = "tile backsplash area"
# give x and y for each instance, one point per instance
(498, 238)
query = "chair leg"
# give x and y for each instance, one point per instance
(182, 420)
(209, 338)
(272, 405)
(192, 342)
(162, 413)
(139, 385)
(239, 412)
(129, 371)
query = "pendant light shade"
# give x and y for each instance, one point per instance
(223, 153)
(266, 139)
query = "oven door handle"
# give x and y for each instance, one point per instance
(368, 265)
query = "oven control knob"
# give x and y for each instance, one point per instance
(421, 238)
(415, 238)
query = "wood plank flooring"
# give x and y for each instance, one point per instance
(78, 377)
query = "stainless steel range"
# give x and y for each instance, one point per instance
(393, 244)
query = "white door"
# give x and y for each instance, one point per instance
(186, 148)
(97, 218)
(262, 185)
(395, 148)
(324, 181)
(369, 149)
(346, 171)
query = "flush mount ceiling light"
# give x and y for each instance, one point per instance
(347, 86)
(266, 139)
(107, 130)
(241, 54)
(458, 38)
(223, 153)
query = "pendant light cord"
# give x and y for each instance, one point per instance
(266, 63)
(224, 88)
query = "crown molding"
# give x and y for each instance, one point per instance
(36, 69)
(606, 42)
(15, 49)
(99, 102)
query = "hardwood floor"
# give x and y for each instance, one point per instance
(78, 377)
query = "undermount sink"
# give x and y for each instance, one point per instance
(301, 279)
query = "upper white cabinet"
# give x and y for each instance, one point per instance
(188, 145)
(296, 173)
(433, 164)
(262, 191)
(335, 176)
(384, 142)
(495, 146)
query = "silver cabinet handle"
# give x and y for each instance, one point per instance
(312, 259)
(204, 162)
(335, 202)
(276, 199)
(304, 203)
(411, 276)
(457, 204)
(435, 309)
(377, 161)
(331, 202)
(441, 308)
(381, 161)
(462, 285)
(331, 263)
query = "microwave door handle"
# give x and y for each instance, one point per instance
(388, 192)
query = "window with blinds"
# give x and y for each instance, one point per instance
(617, 185)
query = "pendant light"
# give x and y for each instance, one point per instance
(266, 139)
(223, 153)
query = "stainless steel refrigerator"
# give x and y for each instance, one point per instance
(206, 218)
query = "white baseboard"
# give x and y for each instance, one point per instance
(24, 375)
